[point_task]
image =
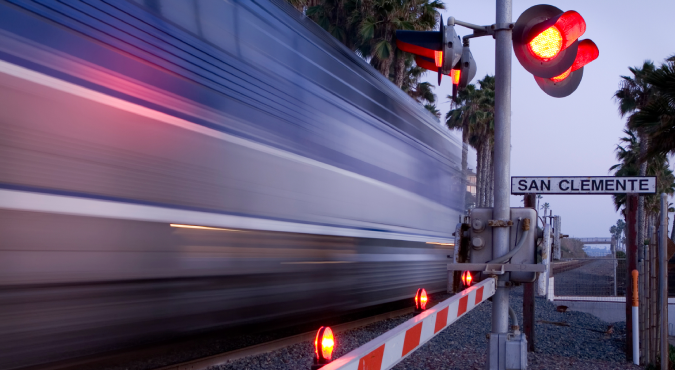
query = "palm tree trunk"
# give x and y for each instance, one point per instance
(482, 175)
(399, 68)
(479, 176)
(672, 232)
(465, 164)
(486, 172)
(492, 179)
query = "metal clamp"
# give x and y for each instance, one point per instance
(499, 271)
(500, 223)
(502, 26)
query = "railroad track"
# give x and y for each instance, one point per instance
(568, 265)
(204, 363)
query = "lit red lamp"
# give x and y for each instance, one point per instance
(324, 343)
(421, 300)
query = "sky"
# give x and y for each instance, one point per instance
(576, 135)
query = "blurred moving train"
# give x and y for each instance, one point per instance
(168, 167)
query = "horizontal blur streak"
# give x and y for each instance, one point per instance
(162, 174)
(203, 227)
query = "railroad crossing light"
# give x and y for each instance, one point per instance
(465, 71)
(565, 84)
(546, 42)
(467, 279)
(421, 300)
(437, 51)
(323, 347)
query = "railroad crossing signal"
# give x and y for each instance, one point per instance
(440, 51)
(546, 42)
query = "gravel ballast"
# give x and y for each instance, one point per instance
(585, 344)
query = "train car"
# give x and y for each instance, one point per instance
(170, 167)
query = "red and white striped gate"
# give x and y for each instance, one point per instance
(393, 346)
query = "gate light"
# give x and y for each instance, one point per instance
(467, 279)
(421, 300)
(323, 346)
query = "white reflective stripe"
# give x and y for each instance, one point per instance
(40, 202)
(392, 351)
(61, 85)
(428, 328)
(387, 350)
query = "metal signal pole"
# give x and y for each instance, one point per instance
(502, 171)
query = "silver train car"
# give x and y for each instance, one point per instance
(169, 167)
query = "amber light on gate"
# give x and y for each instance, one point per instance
(323, 346)
(438, 58)
(421, 300)
(545, 44)
(587, 53)
(455, 74)
(467, 279)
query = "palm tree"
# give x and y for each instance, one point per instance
(377, 22)
(422, 92)
(657, 117)
(473, 113)
(633, 95)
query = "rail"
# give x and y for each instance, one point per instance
(390, 348)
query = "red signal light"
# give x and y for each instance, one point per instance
(323, 345)
(546, 45)
(587, 53)
(467, 279)
(421, 299)
(547, 40)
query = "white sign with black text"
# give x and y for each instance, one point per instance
(583, 185)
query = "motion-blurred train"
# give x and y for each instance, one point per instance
(168, 167)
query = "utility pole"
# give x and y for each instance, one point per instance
(502, 172)
(631, 262)
(528, 294)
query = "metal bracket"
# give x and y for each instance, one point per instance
(502, 27)
(500, 223)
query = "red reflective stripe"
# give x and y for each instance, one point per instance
(479, 296)
(373, 360)
(412, 339)
(426, 64)
(441, 320)
(463, 302)
(411, 48)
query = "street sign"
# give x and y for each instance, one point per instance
(583, 185)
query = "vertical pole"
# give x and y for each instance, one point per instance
(636, 329)
(663, 281)
(502, 171)
(528, 294)
(631, 264)
(648, 297)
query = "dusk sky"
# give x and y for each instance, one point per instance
(576, 135)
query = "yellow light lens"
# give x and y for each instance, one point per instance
(438, 58)
(455, 74)
(562, 76)
(547, 44)
(327, 343)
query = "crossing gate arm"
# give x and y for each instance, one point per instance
(393, 346)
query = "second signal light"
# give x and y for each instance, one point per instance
(546, 42)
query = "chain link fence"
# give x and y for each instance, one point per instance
(590, 277)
